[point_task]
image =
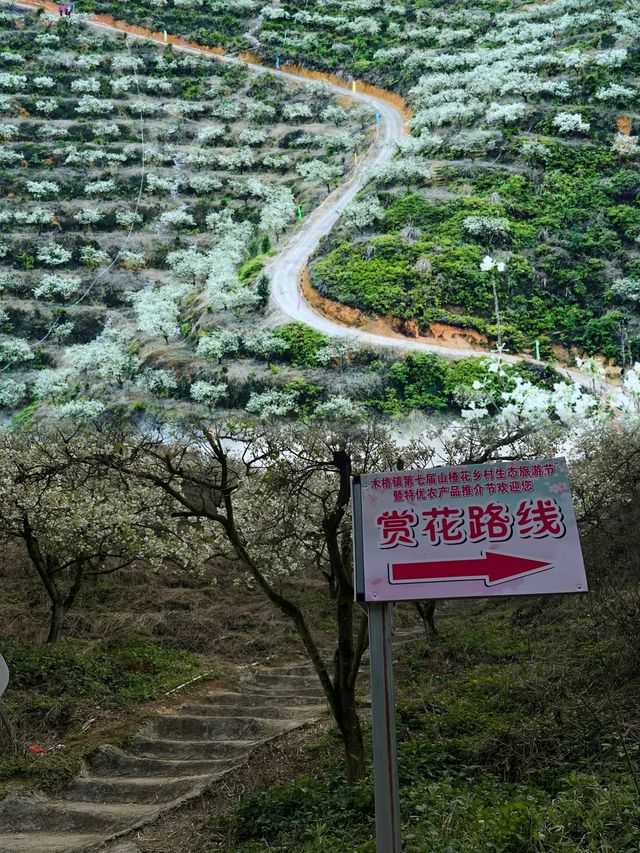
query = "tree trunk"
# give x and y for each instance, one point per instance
(43, 566)
(426, 609)
(346, 672)
(352, 740)
(57, 618)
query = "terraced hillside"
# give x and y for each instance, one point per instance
(524, 118)
(143, 190)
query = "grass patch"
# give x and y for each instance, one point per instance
(57, 692)
(508, 742)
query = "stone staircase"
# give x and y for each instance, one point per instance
(172, 759)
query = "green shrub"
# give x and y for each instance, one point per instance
(120, 671)
(419, 381)
(302, 342)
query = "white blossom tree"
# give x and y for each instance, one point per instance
(278, 210)
(207, 393)
(319, 171)
(76, 521)
(364, 212)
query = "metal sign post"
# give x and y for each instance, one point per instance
(383, 718)
(383, 706)
(4, 682)
(4, 675)
(469, 531)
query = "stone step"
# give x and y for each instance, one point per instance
(147, 789)
(292, 669)
(249, 700)
(294, 683)
(287, 692)
(114, 762)
(181, 726)
(305, 685)
(27, 814)
(185, 750)
(50, 842)
(266, 710)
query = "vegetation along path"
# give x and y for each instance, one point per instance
(174, 758)
(286, 269)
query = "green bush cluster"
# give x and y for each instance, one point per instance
(499, 750)
(119, 671)
(572, 230)
(302, 343)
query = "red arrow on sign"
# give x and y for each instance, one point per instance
(491, 567)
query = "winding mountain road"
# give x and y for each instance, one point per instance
(287, 267)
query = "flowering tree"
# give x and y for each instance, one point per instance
(364, 212)
(77, 521)
(88, 216)
(159, 382)
(42, 189)
(38, 216)
(93, 258)
(50, 384)
(175, 220)
(158, 310)
(12, 393)
(487, 228)
(108, 355)
(278, 210)
(15, 351)
(53, 286)
(571, 123)
(282, 511)
(100, 188)
(274, 403)
(207, 393)
(215, 346)
(318, 170)
(88, 105)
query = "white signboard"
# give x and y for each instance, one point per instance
(4, 675)
(470, 531)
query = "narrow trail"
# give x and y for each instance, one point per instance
(177, 756)
(287, 268)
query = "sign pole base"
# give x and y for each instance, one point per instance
(383, 716)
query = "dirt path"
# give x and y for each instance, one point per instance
(177, 756)
(173, 759)
(287, 268)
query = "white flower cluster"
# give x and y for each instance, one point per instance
(88, 105)
(174, 220)
(364, 212)
(57, 287)
(571, 123)
(41, 189)
(490, 227)
(157, 309)
(273, 403)
(215, 346)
